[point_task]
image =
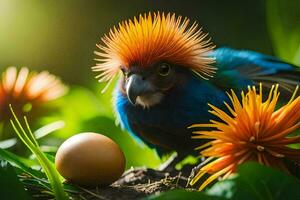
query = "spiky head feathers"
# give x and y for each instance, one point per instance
(151, 38)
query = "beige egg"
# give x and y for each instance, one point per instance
(90, 159)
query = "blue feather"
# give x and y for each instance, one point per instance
(165, 125)
(227, 59)
(184, 106)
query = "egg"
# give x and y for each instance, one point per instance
(90, 159)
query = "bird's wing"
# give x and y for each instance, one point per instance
(237, 69)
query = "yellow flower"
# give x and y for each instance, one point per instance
(24, 87)
(253, 131)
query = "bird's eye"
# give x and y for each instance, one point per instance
(164, 69)
(124, 72)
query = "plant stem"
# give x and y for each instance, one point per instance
(29, 140)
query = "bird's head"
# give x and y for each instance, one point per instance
(151, 52)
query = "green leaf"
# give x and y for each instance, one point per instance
(50, 157)
(8, 143)
(49, 128)
(283, 20)
(183, 195)
(10, 186)
(20, 162)
(255, 181)
(78, 105)
(29, 140)
(39, 133)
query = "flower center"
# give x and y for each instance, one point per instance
(260, 148)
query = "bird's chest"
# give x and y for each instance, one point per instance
(163, 126)
(166, 124)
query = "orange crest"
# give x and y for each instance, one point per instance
(152, 38)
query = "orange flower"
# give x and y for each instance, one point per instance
(23, 87)
(151, 38)
(253, 131)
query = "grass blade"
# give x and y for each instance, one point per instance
(28, 139)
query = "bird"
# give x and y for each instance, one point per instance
(168, 71)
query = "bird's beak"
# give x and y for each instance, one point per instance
(136, 86)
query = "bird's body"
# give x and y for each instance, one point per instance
(164, 125)
(171, 73)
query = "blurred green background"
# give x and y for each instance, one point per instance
(60, 36)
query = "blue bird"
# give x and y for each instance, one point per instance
(170, 73)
